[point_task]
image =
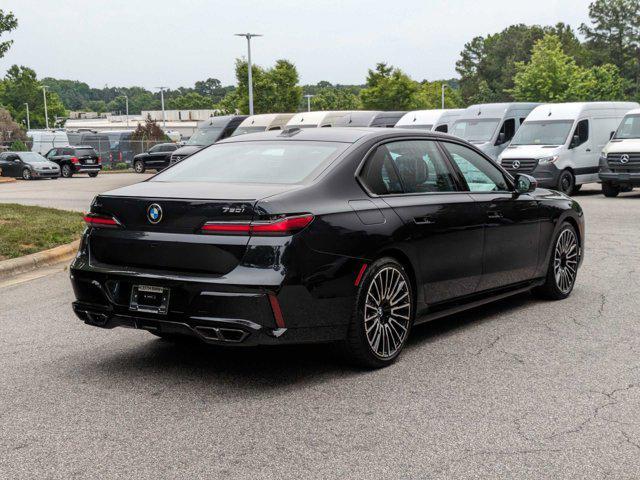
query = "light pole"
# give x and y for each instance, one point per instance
(444, 86)
(249, 36)
(28, 122)
(309, 97)
(126, 102)
(164, 119)
(46, 115)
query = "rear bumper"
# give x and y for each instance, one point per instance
(87, 168)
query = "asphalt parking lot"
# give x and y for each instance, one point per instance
(78, 190)
(518, 389)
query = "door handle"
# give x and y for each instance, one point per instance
(588, 150)
(495, 215)
(424, 221)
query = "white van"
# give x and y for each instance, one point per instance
(560, 143)
(490, 126)
(316, 119)
(45, 140)
(619, 168)
(262, 123)
(439, 120)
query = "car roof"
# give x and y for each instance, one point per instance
(333, 134)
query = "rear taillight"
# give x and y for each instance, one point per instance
(74, 160)
(99, 159)
(280, 226)
(94, 220)
(119, 156)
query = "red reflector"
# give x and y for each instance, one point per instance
(74, 160)
(100, 221)
(281, 226)
(277, 313)
(360, 274)
(119, 156)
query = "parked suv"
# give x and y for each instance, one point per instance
(72, 160)
(156, 158)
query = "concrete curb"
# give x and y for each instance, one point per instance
(15, 266)
(7, 179)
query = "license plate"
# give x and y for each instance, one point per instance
(148, 298)
(89, 161)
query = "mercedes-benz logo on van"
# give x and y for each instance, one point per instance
(624, 158)
(516, 164)
(154, 213)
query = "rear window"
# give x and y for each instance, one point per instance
(285, 162)
(83, 152)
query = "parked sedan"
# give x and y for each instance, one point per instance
(156, 158)
(315, 235)
(27, 165)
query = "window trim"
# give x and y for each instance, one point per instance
(510, 181)
(374, 147)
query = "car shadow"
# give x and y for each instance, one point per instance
(263, 369)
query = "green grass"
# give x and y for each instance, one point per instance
(25, 229)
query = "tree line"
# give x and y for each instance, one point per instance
(598, 61)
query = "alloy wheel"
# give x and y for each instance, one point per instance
(387, 312)
(26, 174)
(565, 260)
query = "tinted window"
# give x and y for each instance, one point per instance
(155, 148)
(168, 148)
(243, 130)
(83, 152)
(507, 131)
(442, 128)
(582, 132)
(255, 162)
(411, 166)
(205, 136)
(480, 174)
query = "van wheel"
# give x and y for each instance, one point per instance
(382, 315)
(563, 265)
(610, 190)
(26, 174)
(138, 166)
(567, 182)
(66, 171)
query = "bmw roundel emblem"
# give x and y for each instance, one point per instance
(154, 213)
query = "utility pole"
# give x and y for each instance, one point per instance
(164, 118)
(444, 86)
(126, 101)
(309, 97)
(249, 36)
(46, 115)
(28, 121)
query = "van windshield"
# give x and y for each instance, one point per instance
(254, 162)
(417, 127)
(476, 130)
(629, 128)
(543, 133)
(205, 136)
(243, 130)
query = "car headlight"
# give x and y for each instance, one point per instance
(546, 160)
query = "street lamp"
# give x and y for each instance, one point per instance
(309, 97)
(249, 36)
(46, 115)
(126, 102)
(164, 119)
(28, 122)
(444, 86)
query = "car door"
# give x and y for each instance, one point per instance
(580, 151)
(4, 165)
(12, 166)
(512, 221)
(442, 226)
(155, 156)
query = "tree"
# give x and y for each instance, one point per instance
(332, 98)
(8, 22)
(614, 35)
(554, 76)
(487, 65)
(430, 95)
(21, 86)
(10, 131)
(190, 101)
(148, 133)
(389, 88)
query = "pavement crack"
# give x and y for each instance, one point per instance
(489, 346)
(629, 440)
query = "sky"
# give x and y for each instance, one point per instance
(174, 43)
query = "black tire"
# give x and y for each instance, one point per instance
(576, 188)
(609, 190)
(66, 171)
(566, 182)
(138, 166)
(26, 174)
(559, 287)
(93, 174)
(368, 350)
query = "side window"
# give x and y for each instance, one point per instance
(155, 149)
(51, 153)
(581, 133)
(418, 163)
(442, 128)
(480, 174)
(507, 131)
(522, 119)
(67, 151)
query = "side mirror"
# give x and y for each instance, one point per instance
(501, 138)
(575, 141)
(525, 183)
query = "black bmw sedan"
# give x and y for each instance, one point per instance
(322, 235)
